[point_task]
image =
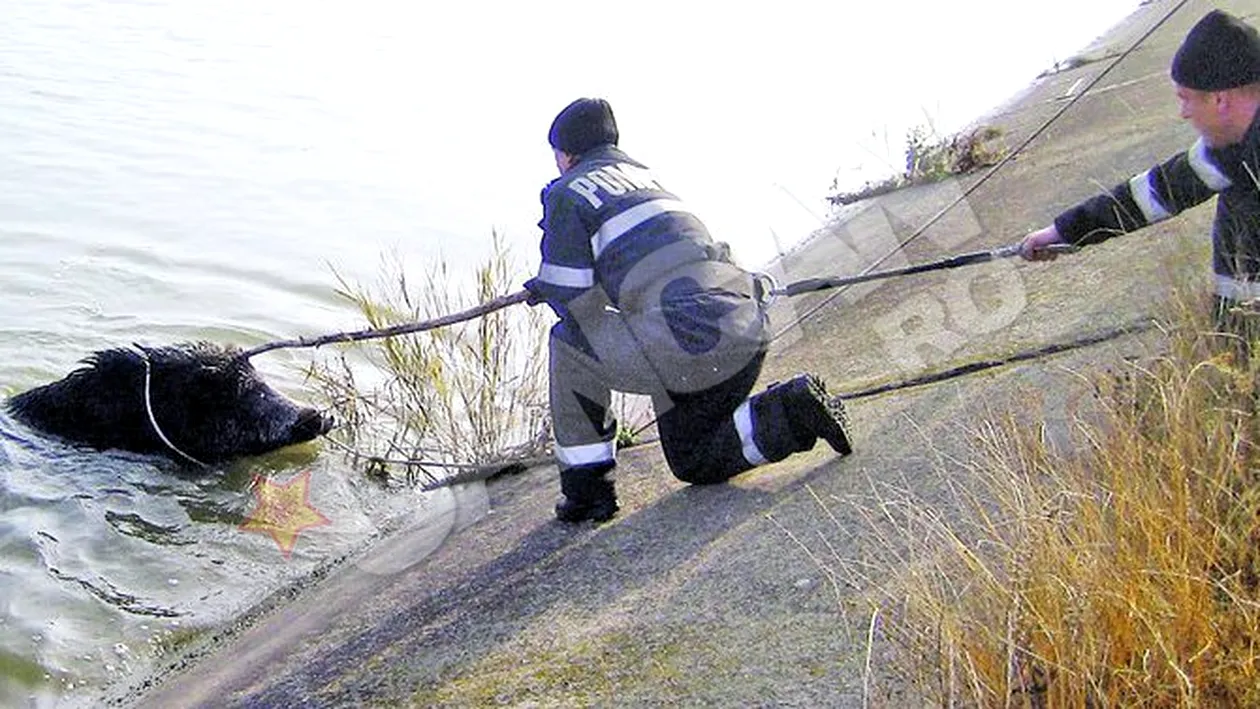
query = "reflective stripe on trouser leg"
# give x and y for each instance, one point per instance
(744, 427)
(772, 430)
(583, 455)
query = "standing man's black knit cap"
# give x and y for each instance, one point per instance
(1220, 52)
(584, 124)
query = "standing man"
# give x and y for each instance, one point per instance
(649, 304)
(1216, 74)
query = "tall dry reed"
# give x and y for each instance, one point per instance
(468, 394)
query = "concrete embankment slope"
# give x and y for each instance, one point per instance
(709, 596)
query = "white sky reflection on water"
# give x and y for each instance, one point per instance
(748, 113)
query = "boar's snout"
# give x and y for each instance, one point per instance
(310, 424)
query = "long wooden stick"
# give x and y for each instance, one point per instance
(404, 329)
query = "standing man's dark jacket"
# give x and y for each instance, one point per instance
(1188, 179)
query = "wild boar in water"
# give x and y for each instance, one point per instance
(207, 401)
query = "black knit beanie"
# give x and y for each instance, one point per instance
(584, 124)
(1220, 52)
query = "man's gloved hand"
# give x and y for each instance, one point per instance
(534, 292)
(720, 251)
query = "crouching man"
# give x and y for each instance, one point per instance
(649, 304)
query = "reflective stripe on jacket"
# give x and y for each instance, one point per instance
(1183, 181)
(602, 221)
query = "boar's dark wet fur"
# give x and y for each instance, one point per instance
(209, 402)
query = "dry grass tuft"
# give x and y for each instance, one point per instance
(1123, 572)
(932, 158)
(445, 399)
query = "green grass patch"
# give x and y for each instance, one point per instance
(595, 670)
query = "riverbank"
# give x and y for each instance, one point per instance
(716, 596)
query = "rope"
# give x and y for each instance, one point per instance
(1000, 164)
(148, 409)
(465, 472)
(415, 462)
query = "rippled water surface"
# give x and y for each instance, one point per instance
(170, 172)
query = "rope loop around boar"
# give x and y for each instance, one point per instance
(148, 409)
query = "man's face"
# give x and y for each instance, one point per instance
(1203, 110)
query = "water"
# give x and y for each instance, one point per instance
(174, 170)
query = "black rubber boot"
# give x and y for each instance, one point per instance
(813, 414)
(588, 495)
